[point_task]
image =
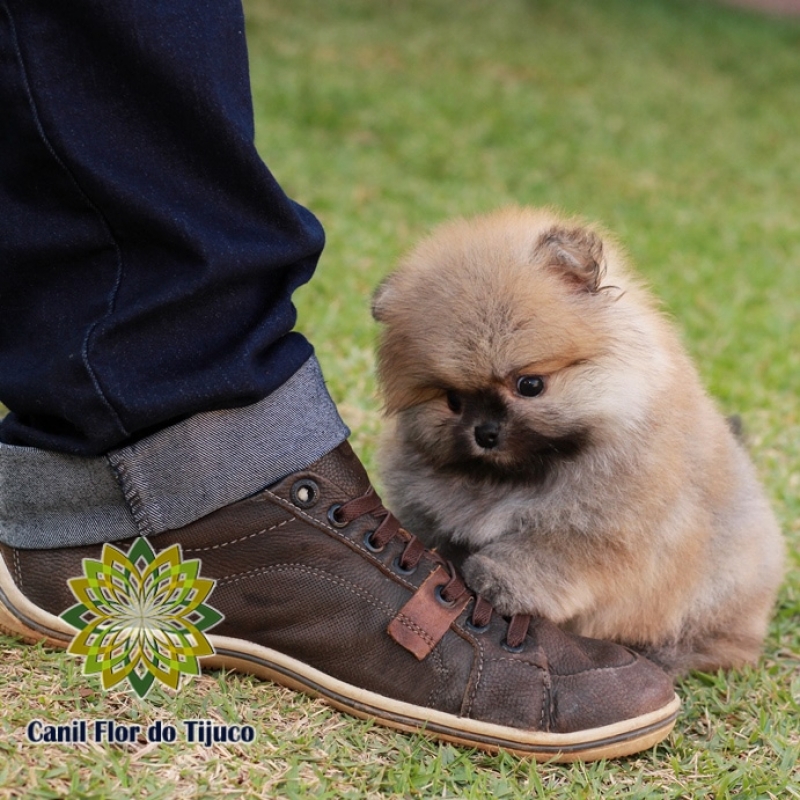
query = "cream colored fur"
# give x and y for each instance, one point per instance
(655, 531)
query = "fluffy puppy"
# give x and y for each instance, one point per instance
(547, 426)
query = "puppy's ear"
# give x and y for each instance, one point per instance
(381, 298)
(577, 253)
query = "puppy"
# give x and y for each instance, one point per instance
(547, 427)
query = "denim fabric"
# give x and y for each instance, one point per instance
(168, 479)
(147, 255)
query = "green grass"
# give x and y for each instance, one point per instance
(676, 125)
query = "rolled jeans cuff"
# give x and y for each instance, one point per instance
(168, 479)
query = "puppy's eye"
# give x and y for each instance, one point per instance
(453, 401)
(530, 385)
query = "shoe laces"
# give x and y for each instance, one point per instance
(454, 590)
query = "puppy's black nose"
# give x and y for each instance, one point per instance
(487, 434)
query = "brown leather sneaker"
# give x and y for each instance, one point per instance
(322, 591)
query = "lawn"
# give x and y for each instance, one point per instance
(674, 123)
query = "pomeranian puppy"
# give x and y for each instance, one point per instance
(547, 428)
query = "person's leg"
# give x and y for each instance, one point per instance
(147, 261)
(152, 285)
(147, 255)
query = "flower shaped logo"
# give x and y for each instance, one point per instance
(141, 616)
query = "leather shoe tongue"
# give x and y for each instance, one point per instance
(342, 467)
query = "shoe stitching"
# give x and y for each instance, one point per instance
(412, 626)
(632, 663)
(236, 541)
(436, 657)
(478, 678)
(479, 670)
(546, 684)
(545, 704)
(546, 694)
(317, 522)
(441, 672)
(548, 702)
(547, 697)
(314, 521)
(518, 661)
(290, 567)
(409, 623)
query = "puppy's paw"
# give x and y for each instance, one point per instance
(497, 583)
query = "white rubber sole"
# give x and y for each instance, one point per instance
(19, 617)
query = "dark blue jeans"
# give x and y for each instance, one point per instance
(147, 255)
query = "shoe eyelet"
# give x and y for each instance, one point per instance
(507, 647)
(472, 627)
(401, 570)
(438, 594)
(333, 519)
(369, 544)
(304, 493)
